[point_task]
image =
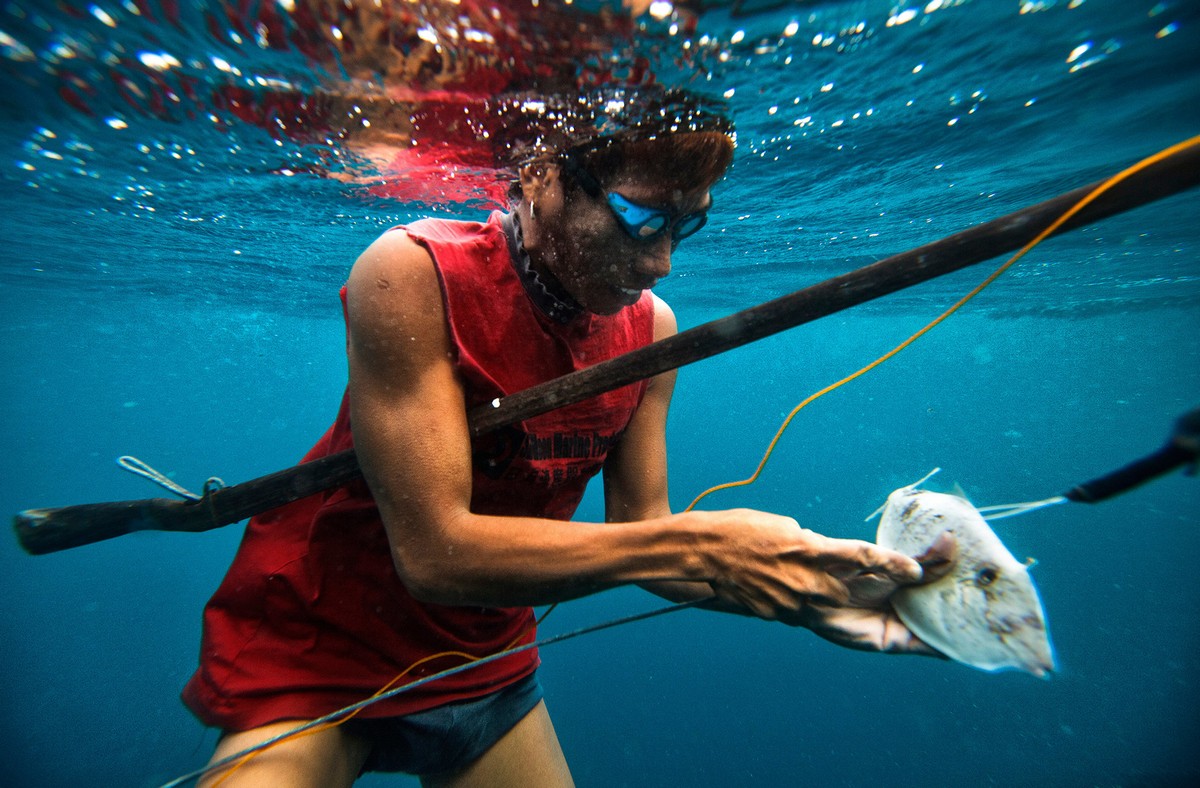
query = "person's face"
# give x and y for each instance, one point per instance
(599, 263)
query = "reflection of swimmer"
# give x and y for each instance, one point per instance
(466, 45)
(448, 540)
(390, 71)
(395, 78)
(418, 81)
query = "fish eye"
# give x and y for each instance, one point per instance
(986, 576)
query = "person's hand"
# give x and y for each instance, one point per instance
(871, 623)
(839, 588)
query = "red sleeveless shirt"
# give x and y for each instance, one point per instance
(312, 617)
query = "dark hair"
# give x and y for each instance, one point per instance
(679, 161)
(678, 136)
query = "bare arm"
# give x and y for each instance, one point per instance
(635, 487)
(635, 474)
(411, 437)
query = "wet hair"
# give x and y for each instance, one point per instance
(673, 135)
(680, 161)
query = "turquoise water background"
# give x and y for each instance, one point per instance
(169, 293)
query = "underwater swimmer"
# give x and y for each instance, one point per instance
(450, 539)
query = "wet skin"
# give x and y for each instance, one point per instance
(598, 263)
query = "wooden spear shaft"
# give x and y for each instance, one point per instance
(41, 531)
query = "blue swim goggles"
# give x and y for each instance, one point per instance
(639, 222)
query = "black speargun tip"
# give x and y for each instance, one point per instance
(1187, 437)
(1181, 449)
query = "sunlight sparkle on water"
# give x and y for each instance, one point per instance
(103, 16)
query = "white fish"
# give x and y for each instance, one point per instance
(986, 612)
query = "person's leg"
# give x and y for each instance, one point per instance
(327, 759)
(528, 756)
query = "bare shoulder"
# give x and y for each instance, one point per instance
(394, 265)
(394, 304)
(664, 319)
(393, 284)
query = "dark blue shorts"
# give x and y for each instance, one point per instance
(446, 738)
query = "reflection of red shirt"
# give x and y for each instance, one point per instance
(312, 617)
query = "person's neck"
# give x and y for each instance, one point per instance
(541, 285)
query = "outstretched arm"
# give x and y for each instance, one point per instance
(635, 485)
(412, 441)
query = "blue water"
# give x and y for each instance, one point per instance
(169, 293)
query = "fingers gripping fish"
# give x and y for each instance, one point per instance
(986, 612)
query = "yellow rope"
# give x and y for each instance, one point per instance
(1092, 195)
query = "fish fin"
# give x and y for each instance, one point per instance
(1030, 562)
(912, 486)
(958, 492)
(924, 478)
